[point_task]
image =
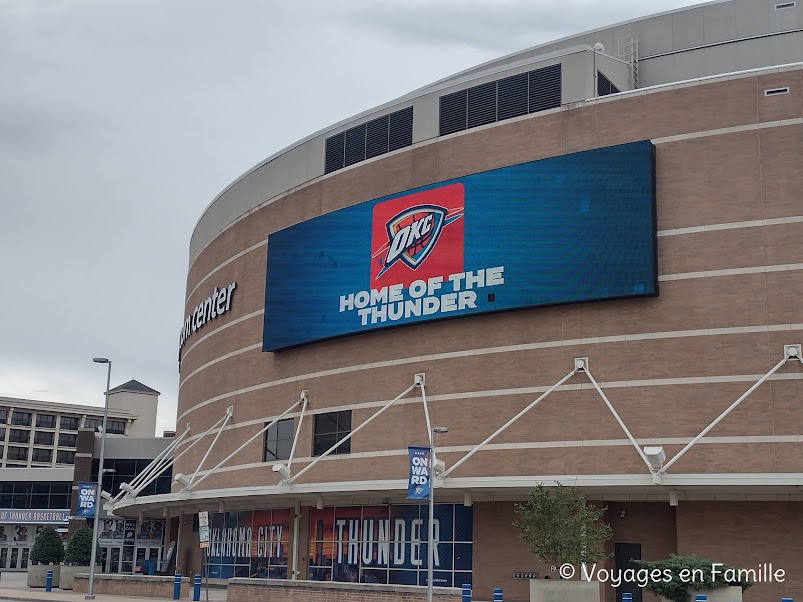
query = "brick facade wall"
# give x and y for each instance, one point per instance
(133, 585)
(257, 590)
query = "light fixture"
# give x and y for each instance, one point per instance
(90, 589)
(182, 479)
(106, 496)
(673, 498)
(431, 522)
(439, 468)
(319, 503)
(656, 457)
(467, 501)
(282, 470)
(622, 515)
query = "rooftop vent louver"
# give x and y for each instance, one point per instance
(506, 98)
(370, 139)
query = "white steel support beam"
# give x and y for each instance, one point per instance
(585, 369)
(508, 423)
(304, 396)
(157, 470)
(290, 479)
(243, 446)
(153, 466)
(229, 414)
(718, 419)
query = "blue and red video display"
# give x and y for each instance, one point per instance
(572, 228)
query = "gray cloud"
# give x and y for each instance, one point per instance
(120, 121)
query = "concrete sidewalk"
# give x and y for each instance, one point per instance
(13, 586)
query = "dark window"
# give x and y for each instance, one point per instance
(506, 98)
(2, 434)
(3, 416)
(21, 418)
(93, 422)
(605, 86)
(42, 455)
(67, 439)
(69, 423)
(43, 438)
(279, 440)
(19, 436)
(17, 453)
(65, 457)
(370, 139)
(116, 427)
(331, 428)
(46, 421)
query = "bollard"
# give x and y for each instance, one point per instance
(196, 587)
(627, 597)
(49, 581)
(700, 598)
(177, 586)
(497, 594)
(466, 593)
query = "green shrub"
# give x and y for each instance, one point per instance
(559, 526)
(677, 574)
(79, 548)
(48, 547)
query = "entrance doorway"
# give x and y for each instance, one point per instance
(13, 557)
(624, 555)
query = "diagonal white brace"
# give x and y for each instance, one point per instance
(305, 397)
(618, 419)
(352, 433)
(719, 418)
(229, 414)
(508, 423)
(211, 471)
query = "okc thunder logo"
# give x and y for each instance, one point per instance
(412, 234)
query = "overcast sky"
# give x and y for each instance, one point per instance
(120, 121)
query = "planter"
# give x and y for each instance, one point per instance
(68, 575)
(556, 590)
(37, 574)
(723, 594)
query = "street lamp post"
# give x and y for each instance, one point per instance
(598, 47)
(431, 525)
(98, 498)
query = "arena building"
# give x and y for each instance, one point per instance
(583, 259)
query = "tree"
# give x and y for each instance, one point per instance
(48, 547)
(79, 548)
(674, 576)
(559, 526)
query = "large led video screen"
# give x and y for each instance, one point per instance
(572, 228)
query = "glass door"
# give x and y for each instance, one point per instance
(113, 557)
(24, 558)
(15, 555)
(3, 557)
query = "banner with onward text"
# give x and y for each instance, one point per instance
(418, 484)
(566, 229)
(86, 499)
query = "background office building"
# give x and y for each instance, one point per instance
(609, 223)
(48, 447)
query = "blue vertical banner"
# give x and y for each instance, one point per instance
(418, 484)
(87, 494)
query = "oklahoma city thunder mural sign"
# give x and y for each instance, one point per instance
(571, 228)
